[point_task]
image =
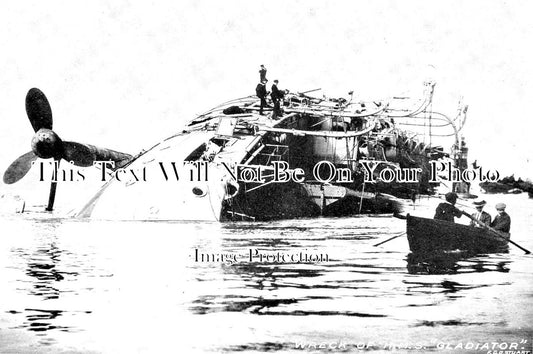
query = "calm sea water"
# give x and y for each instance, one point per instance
(128, 287)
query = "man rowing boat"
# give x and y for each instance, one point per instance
(446, 210)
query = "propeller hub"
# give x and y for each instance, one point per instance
(46, 144)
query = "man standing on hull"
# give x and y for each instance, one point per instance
(262, 93)
(276, 95)
(262, 74)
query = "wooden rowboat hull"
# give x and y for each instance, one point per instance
(429, 235)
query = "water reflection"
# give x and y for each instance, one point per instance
(453, 263)
(357, 274)
(45, 275)
(43, 266)
(44, 263)
(292, 288)
(41, 320)
(152, 277)
(257, 277)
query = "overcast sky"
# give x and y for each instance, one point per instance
(124, 75)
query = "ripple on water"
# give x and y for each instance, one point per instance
(72, 278)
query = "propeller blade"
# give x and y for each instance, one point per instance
(78, 153)
(19, 168)
(52, 194)
(38, 110)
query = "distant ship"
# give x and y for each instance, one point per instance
(331, 138)
(508, 185)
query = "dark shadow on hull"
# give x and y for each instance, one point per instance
(271, 202)
(291, 200)
(351, 206)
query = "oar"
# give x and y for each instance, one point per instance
(437, 197)
(494, 232)
(390, 239)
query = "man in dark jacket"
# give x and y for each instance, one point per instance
(262, 93)
(262, 73)
(502, 221)
(277, 96)
(447, 211)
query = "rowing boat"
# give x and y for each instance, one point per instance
(429, 235)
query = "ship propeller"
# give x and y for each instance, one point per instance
(19, 168)
(47, 144)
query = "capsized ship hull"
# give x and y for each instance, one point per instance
(156, 198)
(234, 135)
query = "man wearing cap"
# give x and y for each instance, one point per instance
(262, 73)
(502, 221)
(480, 215)
(447, 211)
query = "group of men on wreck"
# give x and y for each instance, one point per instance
(275, 94)
(447, 211)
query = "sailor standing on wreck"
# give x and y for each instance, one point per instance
(262, 74)
(447, 211)
(262, 93)
(480, 215)
(276, 95)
